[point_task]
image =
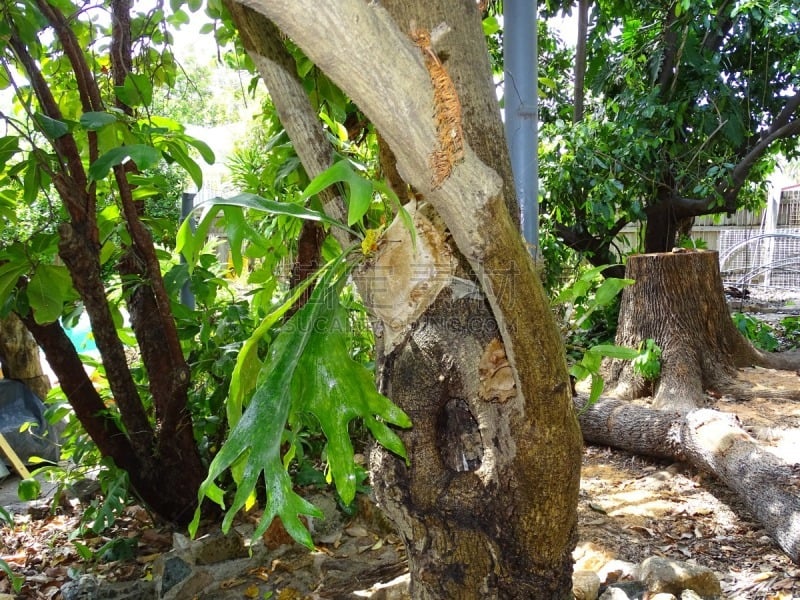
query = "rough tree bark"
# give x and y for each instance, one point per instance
(713, 442)
(471, 350)
(678, 301)
(19, 356)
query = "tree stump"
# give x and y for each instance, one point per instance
(678, 301)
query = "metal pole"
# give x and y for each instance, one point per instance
(187, 204)
(522, 111)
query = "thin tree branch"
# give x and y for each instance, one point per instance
(148, 301)
(72, 177)
(580, 61)
(121, 45)
(87, 87)
(669, 64)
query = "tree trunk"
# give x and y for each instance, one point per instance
(165, 475)
(19, 356)
(713, 442)
(454, 502)
(493, 443)
(678, 301)
(664, 224)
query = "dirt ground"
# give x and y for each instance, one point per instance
(630, 508)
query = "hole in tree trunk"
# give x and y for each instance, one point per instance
(461, 445)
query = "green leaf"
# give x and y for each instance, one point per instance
(96, 120)
(190, 242)
(204, 149)
(248, 364)
(84, 551)
(591, 360)
(145, 158)
(597, 388)
(29, 489)
(490, 25)
(52, 128)
(609, 289)
(336, 389)
(256, 439)
(16, 581)
(235, 228)
(614, 351)
(177, 150)
(9, 275)
(135, 91)
(178, 18)
(252, 201)
(31, 181)
(360, 188)
(579, 372)
(9, 146)
(307, 358)
(48, 289)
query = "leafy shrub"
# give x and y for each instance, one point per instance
(648, 362)
(761, 334)
(790, 332)
(588, 309)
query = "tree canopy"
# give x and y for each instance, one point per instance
(687, 106)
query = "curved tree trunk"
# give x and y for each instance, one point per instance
(493, 442)
(455, 504)
(467, 477)
(19, 356)
(713, 442)
(678, 301)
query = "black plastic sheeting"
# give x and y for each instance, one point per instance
(19, 405)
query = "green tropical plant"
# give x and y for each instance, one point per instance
(647, 363)
(761, 334)
(308, 372)
(308, 369)
(589, 340)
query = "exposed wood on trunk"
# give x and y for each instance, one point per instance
(768, 487)
(678, 301)
(463, 56)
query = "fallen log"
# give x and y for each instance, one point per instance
(712, 441)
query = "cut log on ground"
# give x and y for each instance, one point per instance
(768, 487)
(678, 300)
